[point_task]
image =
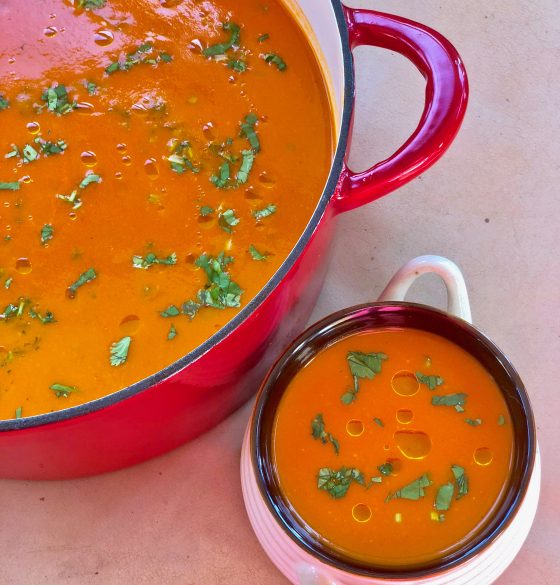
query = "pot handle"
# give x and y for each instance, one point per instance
(457, 296)
(446, 102)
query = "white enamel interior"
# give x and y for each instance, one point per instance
(318, 20)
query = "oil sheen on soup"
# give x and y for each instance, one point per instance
(403, 444)
(158, 161)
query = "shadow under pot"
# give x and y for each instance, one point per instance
(393, 442)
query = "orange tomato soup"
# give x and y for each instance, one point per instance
(158, 161)
(393, 446)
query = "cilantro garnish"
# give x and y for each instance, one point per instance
(84, 278)
(318, 432)
(362, 365)
(19, 308)
(248, 131)
(246, 166)
(461, 480)
(48, 317)
(259, 214)
(8, 282)
(221, 48)
(220, 291)
(62, 390)
(457, 400)
(29, 154)
(151, 259)
(263, 38)
(49, 148)
(171, 311)
(4, 103)
(172, 333)
(501, 420)
(90, 4)
(237, 65)
(275, 59)
(378, 422)
(119, 351)
(47, 232)
(228, 220)
(256, 255)
(432, 382)
(57, 100)
(385, 469)
(91, 87)
(18, 412)
(144, 55)
(411, 491)
(74, 197)
(474, 422)
(206, 210)
(222, 180)
(11, 186)
(444, 497)
(336, 483)
(181, 156)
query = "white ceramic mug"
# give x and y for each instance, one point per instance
(486, 558)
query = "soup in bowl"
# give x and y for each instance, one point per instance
(392, 441)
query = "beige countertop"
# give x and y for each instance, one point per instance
(491, 204)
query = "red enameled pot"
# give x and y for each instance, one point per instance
(201, 389)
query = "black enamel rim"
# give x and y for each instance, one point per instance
(392, 315)
(256, 302)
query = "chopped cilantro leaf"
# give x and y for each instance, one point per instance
(444, 497)
(222, 180)
(49, 148)
(151, 259)
(275, 60)
(228, 220)
(385, 469)
(171, 311)
(318, 432)
(378, 422)
(248, 131)
(246, 166)
(365, 365)
(62, 390)
(206, 210)
(432, 382)
(18, 412)
(457, 400)
(57, 100)
(259, 214)
(4, 103)
(180, 158)
(336, 483)
(144, 55)
(263, 38)
(119, 351)
(84, 278)
(8, 282)
(172, 333)
(88, 180)
(256, 255)
(501, 420)
(29, 154)
(13, 186)
(237, 65)
(47, 232)
(91, 87)
(90, 4)
(461, 480)
(473, 422)
(221, 48)
(221, 291)
(413, 490)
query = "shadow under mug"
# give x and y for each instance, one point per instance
(302, 556)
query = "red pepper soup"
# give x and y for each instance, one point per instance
(158, 161)
(393, 447)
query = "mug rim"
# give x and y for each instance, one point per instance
(353, 320)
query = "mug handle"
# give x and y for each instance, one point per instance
(446, 102)
(457, 296)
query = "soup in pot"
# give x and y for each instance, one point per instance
(158, 161)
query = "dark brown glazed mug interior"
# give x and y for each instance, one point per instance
(392, 315)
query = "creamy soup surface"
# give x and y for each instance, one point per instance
(158, 161)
